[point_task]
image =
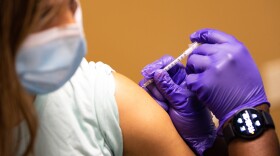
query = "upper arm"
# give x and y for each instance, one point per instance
(146, 127)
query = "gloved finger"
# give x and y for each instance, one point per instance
(206, 49)
(152, 90)
(193, 82)
(211, 36)
(197, 63)
(141, 83)
(155, 94)
(196, 84)
(176, 95)
(148, 71)
(176, 72)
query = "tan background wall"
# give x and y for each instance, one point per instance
(129, 34)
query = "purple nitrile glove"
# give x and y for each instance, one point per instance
(223, 74)
(191, 118)
(177, 73)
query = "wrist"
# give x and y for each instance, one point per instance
(263, 107)
(224, 121)
(248, 123)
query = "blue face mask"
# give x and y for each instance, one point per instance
(48, 59)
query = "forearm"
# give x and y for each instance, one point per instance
(219, 148)
(267, 144)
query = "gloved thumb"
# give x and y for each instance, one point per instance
(211, 36)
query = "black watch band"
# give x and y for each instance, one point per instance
(248, 123)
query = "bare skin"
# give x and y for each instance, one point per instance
(146, 127)
(266, 144)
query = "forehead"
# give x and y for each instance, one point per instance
(53, 13)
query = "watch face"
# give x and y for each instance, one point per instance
(248, 123)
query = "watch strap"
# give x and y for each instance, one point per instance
(229, 133)
(267, 119)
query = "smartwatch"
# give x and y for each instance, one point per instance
(248, 124)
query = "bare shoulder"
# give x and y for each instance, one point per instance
(146, 127)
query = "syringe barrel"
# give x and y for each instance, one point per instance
(174, 62)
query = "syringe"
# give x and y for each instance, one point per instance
(174, 62)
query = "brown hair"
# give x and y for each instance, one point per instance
(19, 18)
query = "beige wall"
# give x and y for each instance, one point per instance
(129, 34)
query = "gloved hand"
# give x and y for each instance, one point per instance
(223, 74)
(192, 119)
